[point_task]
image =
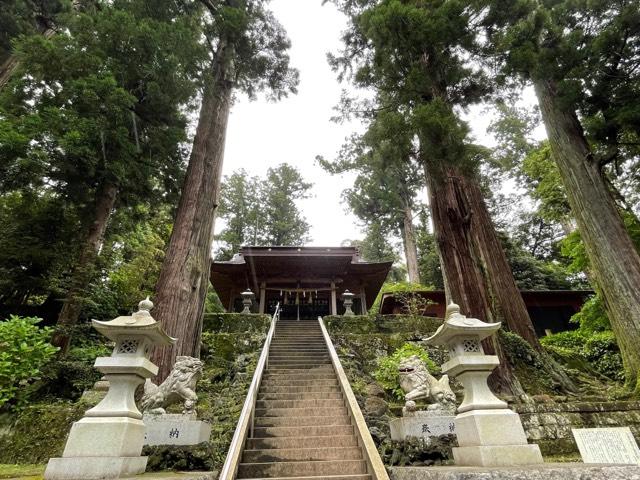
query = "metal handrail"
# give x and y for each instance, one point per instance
(245, 422)
(375, 466)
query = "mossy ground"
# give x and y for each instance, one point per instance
(25, 472)
(230, 353)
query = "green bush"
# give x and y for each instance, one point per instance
(599, 349)
(397, 288)
(602, 351)
(24, 350)
(387, 372)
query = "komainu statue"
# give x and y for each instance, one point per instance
(418, 384)
(180, 386)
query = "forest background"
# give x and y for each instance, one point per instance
(98, 104)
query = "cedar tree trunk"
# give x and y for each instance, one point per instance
(614, 260)
(83, 270)
(184, 278)
(464, 275)
(409, 242)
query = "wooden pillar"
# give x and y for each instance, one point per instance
(231, 299)
(363, 300)
(263, 296)
(334, 300)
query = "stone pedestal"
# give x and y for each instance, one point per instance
(489, 434)
(175, 429)
(422, 424)
(493, 438)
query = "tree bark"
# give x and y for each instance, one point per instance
(614, 259)
(409, 243)
(83, 270)
(184, 278)
(465, 275)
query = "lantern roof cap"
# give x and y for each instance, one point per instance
(456, 325)
(141, 322)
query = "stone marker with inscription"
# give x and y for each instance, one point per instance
(422, 424)
(607, 445)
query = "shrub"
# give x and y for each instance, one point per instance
(387, 372)
(599, 349)
(24, 350)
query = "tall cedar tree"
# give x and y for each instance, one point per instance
(249, 53)
(262, 211)
(413, 53)
(25, 17)
(94, 115)
(384, 191)
(583, 59)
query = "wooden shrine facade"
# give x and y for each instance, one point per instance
(307, 281)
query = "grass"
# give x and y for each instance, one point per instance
(24, 472)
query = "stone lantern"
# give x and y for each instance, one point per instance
(247, 300)
(347, 298)
(489, 433)
(108, 441)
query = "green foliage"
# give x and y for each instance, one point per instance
(387, 371)
(592, 317)
(24, 350)
(396, 288)
(599, 349)
(39, 432)
(263, 211)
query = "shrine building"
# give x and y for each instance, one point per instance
(307, 281)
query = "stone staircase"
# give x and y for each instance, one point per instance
(301, 426)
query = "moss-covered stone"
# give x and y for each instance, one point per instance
(235, 322)
(382, 324)
(39, 432)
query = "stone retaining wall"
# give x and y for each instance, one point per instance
(550, 424)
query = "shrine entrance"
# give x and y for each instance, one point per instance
(307, 282)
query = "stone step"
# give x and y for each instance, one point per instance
(312, 387)
(295, 366)
(302, 442)
(296, 376)
(303, 431)
(303, 382)
(297, 354)
(301, 469)
(300, 396)
(301, 421)
(300, 412)
(276, 349)
(310, 454)
(321, 371)
(324, 477)
(307, 403)
(299, 361)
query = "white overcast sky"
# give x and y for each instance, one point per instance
(263, 134)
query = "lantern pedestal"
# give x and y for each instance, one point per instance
(489, 434)
(108, 441)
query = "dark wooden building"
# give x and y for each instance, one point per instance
(550, 310)
(307, 281)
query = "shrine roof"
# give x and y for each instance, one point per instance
(289, 266)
